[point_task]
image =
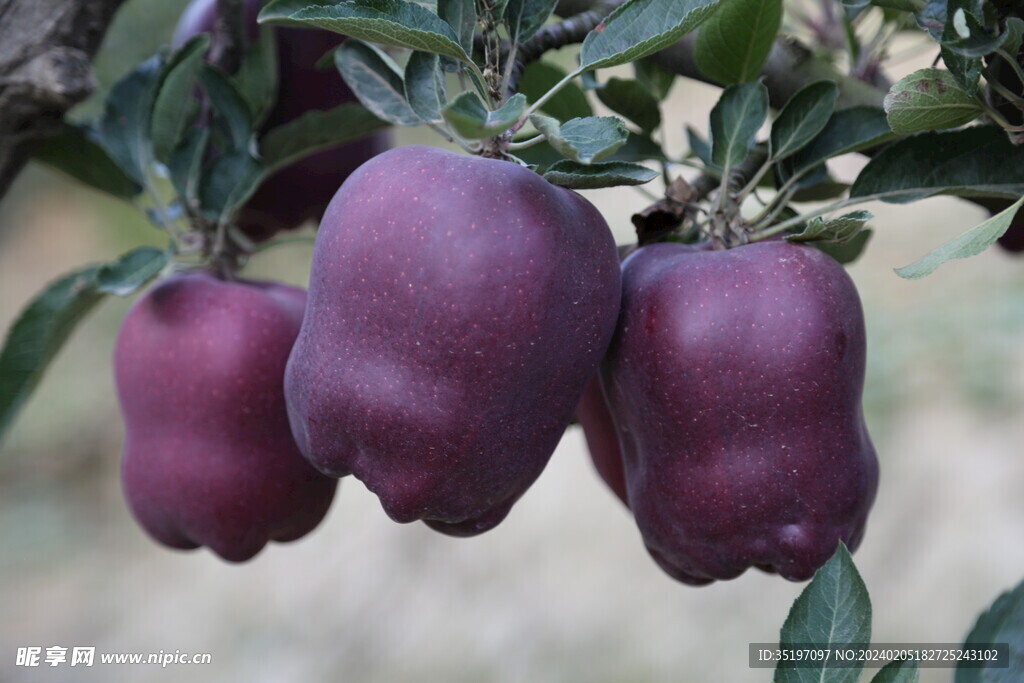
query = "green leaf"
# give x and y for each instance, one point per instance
(45, 324)
(316, 130)
(699, 147)
(186, 164)
(228, 182)
(841, 229)
(569, 103)
(251, 173)
(803, 118)
(130, 272)
(640, 28)
(960, 162)
(905, 671)
(637, 148)
(814, 176)
(387, 22)
(76, 151)
(38, 334)
(929, 99)
(498, 8)
(1014, 35)
(230, 108)
(966, 70)
(583, 140)
(971, 243)
(734, 43)
(933, 18)
(578, 176)
(820, 191)
(735, 121)
(461, 16)
(425, 86)
(834, 610)
(968, 30)
(525, 17)
(848, 252)
(468, 116)
(175, 105)
(849, 130)
(588, 80)
(257, 77)
(124, 129)
(633, 101)
(654, 77)
(1002, 622)
(377, 81)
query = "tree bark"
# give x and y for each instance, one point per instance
(46, 51)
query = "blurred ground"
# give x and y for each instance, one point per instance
(563, 590)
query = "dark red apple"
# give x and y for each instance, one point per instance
(602, 441)
(208, 455)
(458, 307)
(734, 380)
(300, 192)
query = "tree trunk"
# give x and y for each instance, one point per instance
(46, 50)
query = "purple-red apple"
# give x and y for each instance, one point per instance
(734, 380)
(458, 306)
(208, 455)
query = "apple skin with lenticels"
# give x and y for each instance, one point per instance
(209, 459)
(734, 380)
(458, 307)
(300, 192)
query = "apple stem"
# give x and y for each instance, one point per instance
(492, 53)
(512, 146)
(543, 99)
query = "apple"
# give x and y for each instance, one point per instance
(209, 458)
(602, 441)
(300, 192)
(458, 306)
(734, 381)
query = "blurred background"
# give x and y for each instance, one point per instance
(561, 591)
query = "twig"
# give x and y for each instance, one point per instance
(567, 32)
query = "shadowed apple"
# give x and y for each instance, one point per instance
(602, 442)
(208, 455)
(300, 192)
(734, 380)
(458, 306)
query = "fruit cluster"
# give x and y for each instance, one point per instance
(300, 192)
(461, 310)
